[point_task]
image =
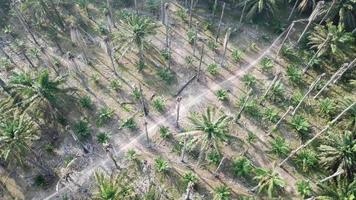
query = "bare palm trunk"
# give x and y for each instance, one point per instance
(220, 21)
(339, 172)
(184, 149)
(4, 87)
(217, 170)
(311, 87)
(28, 59)
(316, 54)
(238, 115)
(109, 52)
(214, 8)
(327, 12)
(189, 191)
(275, 79)
(25, 25)
(136, 6)
(243, 12)
(7, 56)
(190, 13)
(226, 41)
(179, 99)
(284, 39)
(336, 76)
(196, 38)
(311, 19)
(317, 135)
(200, 62)
(290, 108)
(293, 9)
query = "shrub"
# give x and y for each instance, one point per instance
(242, 166)
(189, 177)
(166, 75)
(249, 80)
(304, 188)
(252, 109)
(136, 93)
(212, 44)
(85, 102)
(279, 147)
(161, 165)
(82, 130)
(159, 103)
(301, 125)
(236, 55)
(191, 36)
(129, 124)
(103, 138)
(164, 132)
(306, 159)
(95, 78)
(115, 85)
(166, 54)
(327, 106)
(266, 64)
(294, 74)
(277, 91)
(182, 14)
(270, 115)
(214, 157)
(105, 114)
(189, 60)
(213, 69)
(40, 181)
(222, 95)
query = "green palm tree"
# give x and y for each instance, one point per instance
(136, 29)
(161, 165)
(114, 187)
(209, 129)
(341, 189)
(332, 41)
(268, 181)
(339, 152)
(222, 193)
(256, 8)
(40, 91)
(306, 5)
(17, 132)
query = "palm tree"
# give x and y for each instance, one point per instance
(114, 187)
(268, 181)
(259, 7)
(16, 135)
(209, 129)
(161, 165)
(222, 193)
(40, 91)
(136, 29)
(332, 41)
(305, 5)
(339, 153)
(339, 189)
